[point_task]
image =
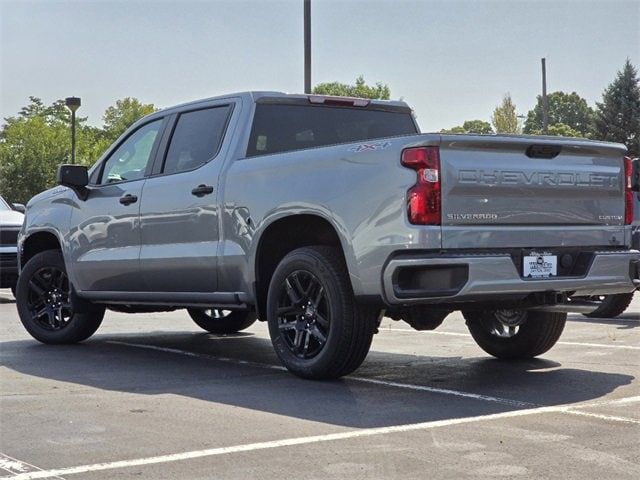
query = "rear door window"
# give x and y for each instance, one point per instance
(196, 138)
(282, 128)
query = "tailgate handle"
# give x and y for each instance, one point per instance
(543, 151)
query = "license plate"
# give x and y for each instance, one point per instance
(539, 265)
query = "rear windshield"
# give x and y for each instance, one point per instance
(283, 128)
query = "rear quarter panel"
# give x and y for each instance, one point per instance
(361, 191)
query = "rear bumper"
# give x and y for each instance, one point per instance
(488, 277)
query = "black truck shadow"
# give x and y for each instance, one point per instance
(101, 363)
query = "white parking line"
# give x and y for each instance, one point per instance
(601, 416)
(375, 381)
(14, 466)
(288, 442)
(455, 334)
(600, 345)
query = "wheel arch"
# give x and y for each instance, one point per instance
(286, 233)
(38, 241)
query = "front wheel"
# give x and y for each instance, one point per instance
(45, 304)
(317, 329)
(514, 334)
(220, 321)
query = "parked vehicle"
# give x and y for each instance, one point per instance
(322, 214)
(11, 218)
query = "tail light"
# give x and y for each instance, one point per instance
(424, 205)
(628, 193)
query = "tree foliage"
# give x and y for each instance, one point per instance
(360, 89)
(568, 109)
(560, 130)
(618, 116)
(471, 126)
(122, 115)
(38, 139)
(504, 118)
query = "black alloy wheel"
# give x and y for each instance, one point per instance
(303, 314)
(48, 307)
(317, 327)
(48, 298)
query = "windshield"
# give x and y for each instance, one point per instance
(4, 205)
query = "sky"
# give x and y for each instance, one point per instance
(450, 60)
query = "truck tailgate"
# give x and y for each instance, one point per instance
(565, 189)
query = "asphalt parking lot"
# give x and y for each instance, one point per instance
(152, 396)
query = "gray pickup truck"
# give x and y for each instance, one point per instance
(320, 215)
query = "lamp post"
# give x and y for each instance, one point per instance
(73, 104)
(307, 46)
(545, 102)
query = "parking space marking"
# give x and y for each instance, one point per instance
(455, 334)
(601, 416)
(16, 467)
(600, 345)
(288, 442)
(375, 381)
(457, 393)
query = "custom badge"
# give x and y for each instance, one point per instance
(368, 147)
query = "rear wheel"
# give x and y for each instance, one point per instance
(512, 334)
(316, 327)
(46, 305)
(610, 305)
(220, 321)
(423, 317)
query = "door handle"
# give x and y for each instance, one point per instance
(128, 199)
(202, 190)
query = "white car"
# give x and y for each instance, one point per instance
(11, 218)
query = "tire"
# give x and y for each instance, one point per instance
(317, 329)
(535, 334)
(222, 321)
(43, 285)
(611, 306)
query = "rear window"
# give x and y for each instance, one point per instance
(283, 128)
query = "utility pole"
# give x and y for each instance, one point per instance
(307, 46)
(545, 102)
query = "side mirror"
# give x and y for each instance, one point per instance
(635, 175)
(76, 177)
(18, 207)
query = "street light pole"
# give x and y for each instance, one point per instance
(307, 46)
(73, 104)
(545, 102)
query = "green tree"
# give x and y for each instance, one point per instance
(32, 145)
(569, 109)
(504, 118)
(122, 115)
(561, 130)
(618, 116)
(360, 89)
(471, 126)
(38, 139)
